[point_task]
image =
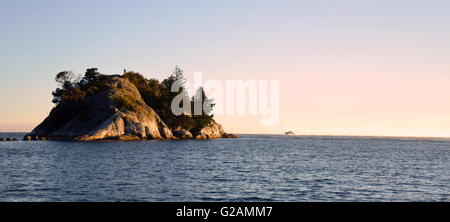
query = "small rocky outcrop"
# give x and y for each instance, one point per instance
(230, 136)
(33, 138)
(8, 139)
(212, 131)
(183, 134)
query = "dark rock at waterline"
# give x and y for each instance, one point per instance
(8, 139)
(30, 137)
(182, 134)
(229, 135)
(211, 131)
(124, 138)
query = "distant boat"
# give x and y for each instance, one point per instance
(289, 133)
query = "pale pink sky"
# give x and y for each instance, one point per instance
(345, 67)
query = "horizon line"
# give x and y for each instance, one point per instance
(321, 135)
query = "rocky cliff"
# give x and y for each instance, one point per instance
(105, 116)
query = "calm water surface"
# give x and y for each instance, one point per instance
(251, 168)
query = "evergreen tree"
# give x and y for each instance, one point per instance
(91, 75)
(202, 103)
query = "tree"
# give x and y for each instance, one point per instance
(57, 96)
(174, 86)
(65, 76)
(91, 75)
(202, 103)
(176, 76)
(202, 108)
(179, 76)
(67, 80)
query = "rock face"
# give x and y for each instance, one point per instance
(183, 134)
(106, 119)
(212, 131)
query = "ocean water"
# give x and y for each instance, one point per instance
(251, 168)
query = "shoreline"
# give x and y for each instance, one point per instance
(302, 135)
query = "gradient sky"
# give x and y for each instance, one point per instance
(349, 67)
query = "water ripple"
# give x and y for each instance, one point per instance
(252, 168)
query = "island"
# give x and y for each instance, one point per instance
(123, 107)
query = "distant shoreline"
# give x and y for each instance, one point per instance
(312, 135)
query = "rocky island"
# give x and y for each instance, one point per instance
(123, 107)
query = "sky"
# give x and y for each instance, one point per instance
(349, 67)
